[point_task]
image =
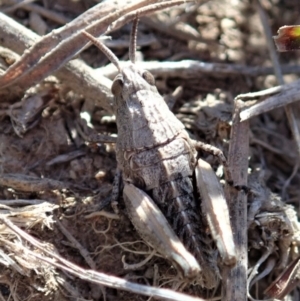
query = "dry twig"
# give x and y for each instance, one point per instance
(235, 280)
(283, 95)
(197, 69)
(77, 74)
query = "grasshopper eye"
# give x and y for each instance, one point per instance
(149, 78)
(117, 86)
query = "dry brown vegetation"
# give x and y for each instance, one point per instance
(56, 177)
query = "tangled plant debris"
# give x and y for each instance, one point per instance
(60, 239)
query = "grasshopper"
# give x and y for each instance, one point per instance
(158, 164)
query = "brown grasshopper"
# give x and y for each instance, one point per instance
(158, 162)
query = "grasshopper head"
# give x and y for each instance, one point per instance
(143, 118)
(134, 79)
(130, 81)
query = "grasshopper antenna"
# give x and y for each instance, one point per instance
(109, 54)
(133, 37)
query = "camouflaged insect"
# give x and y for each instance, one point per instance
(158, 160)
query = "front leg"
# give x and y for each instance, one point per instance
(156, 231)
(215, 208)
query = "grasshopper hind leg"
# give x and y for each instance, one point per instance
(153, 227)
(177, 202)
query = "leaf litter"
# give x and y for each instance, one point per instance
(55, 179)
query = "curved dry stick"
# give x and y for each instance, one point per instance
(45, 44)
(46, 56)
(69, 48)
(254, 271)
(76, 74)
